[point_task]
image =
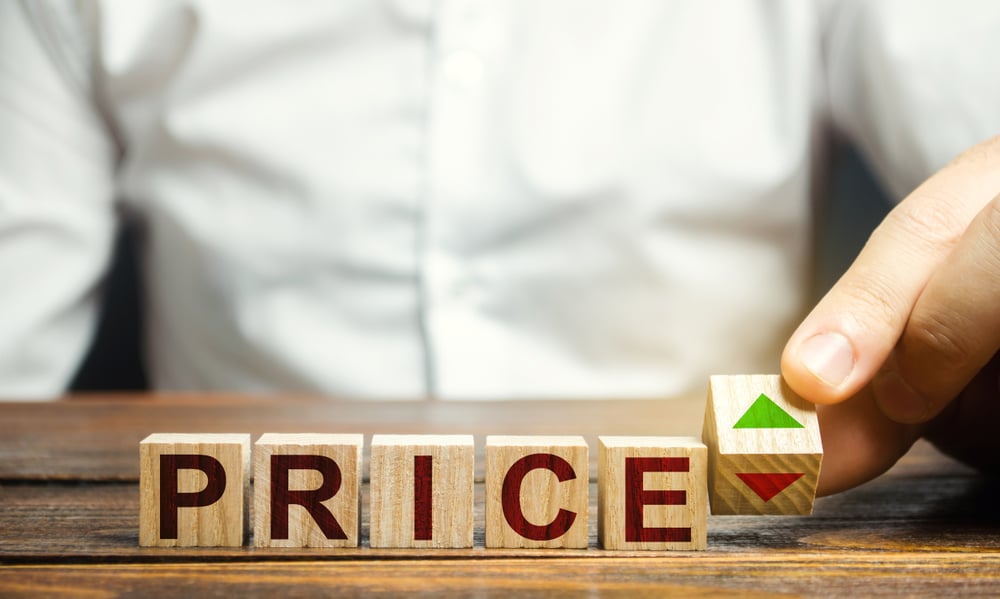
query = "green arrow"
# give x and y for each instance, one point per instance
(764, 413)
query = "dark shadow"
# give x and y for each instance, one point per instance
(854, 206)
(115, 359)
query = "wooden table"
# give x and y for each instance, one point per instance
(69, 513)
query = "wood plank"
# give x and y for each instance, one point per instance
(95, 437)
(928, 527)
(913, 508)
(859, 574)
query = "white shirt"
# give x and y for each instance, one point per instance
(453, 199)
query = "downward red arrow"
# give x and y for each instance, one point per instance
(768, 484)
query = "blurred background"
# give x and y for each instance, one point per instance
(854, 205)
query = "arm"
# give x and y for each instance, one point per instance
(904, 344)
(56, 219)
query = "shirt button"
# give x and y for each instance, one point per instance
(463, 68)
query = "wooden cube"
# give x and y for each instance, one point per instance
(764, 446)
(422, 490)
(193, 490)
(652, 493)
(307, 490)
(536, 492)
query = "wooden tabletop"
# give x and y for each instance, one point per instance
(69, 513)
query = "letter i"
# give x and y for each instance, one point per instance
(423, 497)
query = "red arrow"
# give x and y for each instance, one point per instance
(768, 484)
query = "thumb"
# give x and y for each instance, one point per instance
(848, 336)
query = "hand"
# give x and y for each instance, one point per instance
(906, 343)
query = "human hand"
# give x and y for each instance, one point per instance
(906, 343)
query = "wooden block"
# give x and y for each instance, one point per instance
(651, 493)
(307, 490)
(193, 490)
(422, 490)
(537, 492)
(764, 446)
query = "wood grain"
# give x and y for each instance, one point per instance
(546, 505)
(679, 469)
(925, 504)
(94, 437)
(866, 574)
(218, 520)
(929, 527)
(755, 451)
(331, 496)
(445, 499)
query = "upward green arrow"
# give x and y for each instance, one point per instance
(764, 413)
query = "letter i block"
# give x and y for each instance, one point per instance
(764, 446)
(193, 490)
(537, 492)
(307, 490)
(652, 493)
(422, 490)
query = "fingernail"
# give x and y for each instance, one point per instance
(829, 356)
(898, 400)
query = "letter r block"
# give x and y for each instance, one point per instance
(537, 492)
(651, 493)
(307, 490)
(193, 490)
(422, 490)
(764, 446)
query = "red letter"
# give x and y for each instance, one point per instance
(170, 499)
(281, 497)
(511, 497)
(636, 497)
(423, 497)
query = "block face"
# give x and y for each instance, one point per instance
(764, 446)
(422, 491)
(652, 493)
(764, 484)
(307, 490)
(193, 490)
(537, 492)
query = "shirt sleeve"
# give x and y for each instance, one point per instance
(914, 84)
(57, 163)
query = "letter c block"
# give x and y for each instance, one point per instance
(193, 490)
(537, 492)
(307, 490)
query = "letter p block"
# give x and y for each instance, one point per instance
(193, 490)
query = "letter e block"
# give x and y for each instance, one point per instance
(422, 490)
(764, 446)
(307, 490)
(537, 492)
(193, 490)
(652, 493)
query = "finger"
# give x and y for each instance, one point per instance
(966, 428)
(954, 328)
(859, 442)
(847, 337)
